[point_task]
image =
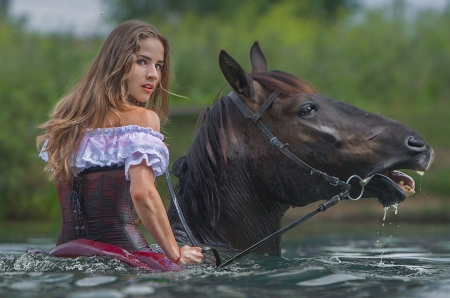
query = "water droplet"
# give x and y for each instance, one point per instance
(385, 211)
(395, 206)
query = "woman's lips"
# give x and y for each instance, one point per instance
(148, 87)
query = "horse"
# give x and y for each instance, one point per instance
(234, 187)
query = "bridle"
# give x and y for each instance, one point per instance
(345, 186)
(243, 108)
(334, 181)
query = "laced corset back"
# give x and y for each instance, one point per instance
(102, 210)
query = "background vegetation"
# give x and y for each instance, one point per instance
(385, 61)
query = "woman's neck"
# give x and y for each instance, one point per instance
(135, 102)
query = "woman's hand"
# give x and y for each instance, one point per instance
(190, 255)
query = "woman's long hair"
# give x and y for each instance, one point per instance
(100, 94)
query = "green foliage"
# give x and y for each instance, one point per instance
(121, 10)
(35, 72)
(377, 60)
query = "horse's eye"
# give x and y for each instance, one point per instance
(307, 110)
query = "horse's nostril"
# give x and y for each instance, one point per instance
(414, 143)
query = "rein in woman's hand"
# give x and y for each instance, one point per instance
(190, 255)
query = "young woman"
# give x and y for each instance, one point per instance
(104, 145)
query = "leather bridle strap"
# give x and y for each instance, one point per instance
(243, 108)
(264, 107)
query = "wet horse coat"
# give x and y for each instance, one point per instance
(234, 187)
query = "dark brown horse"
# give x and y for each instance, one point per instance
(234, 187)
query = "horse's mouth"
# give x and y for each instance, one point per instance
(404, 181)
(390, 187)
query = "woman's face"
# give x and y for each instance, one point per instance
(145, 74)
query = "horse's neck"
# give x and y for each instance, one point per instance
(249, 213)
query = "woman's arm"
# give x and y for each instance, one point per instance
(151, 211)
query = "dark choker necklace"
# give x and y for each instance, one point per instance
(136, 102)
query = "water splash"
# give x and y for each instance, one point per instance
(320, 267)
(45, 263)
(395, 206)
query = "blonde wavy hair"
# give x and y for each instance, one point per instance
(102, 92)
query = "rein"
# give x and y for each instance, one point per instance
(184, 223)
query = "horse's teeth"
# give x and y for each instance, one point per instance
(409, 190)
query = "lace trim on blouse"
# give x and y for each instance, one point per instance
(123, 145)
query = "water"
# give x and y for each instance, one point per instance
(389, 261)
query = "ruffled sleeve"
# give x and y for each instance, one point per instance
(126, 145)
(148, 147)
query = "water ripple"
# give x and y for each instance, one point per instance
(338, 268)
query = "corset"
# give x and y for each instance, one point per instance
(98, 206)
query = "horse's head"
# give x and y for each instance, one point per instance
(331, 136)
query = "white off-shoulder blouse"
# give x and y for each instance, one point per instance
(118, 146)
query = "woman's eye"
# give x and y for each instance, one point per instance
(141, 62)
(307, 110)
(158, 66)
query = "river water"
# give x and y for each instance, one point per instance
(384, 259)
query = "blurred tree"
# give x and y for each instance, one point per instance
(331, 9)
(35, 71)
(4, 6)
(121, 10)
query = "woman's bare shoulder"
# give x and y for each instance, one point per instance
(141, 117)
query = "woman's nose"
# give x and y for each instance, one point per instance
(152, 73)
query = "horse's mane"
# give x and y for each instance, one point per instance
(203, 167)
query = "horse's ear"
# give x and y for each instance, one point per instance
(238, 79)
(259, 62)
